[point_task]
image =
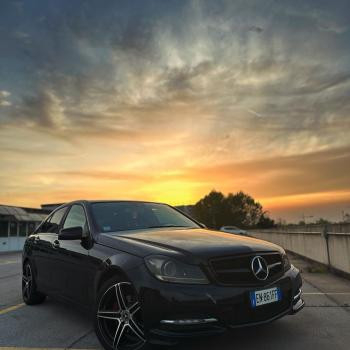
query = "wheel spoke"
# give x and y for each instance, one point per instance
(28, 272)
(134, 308)
(24, 278)
(118, 334)
(109, 315)
(120, 297)
(136, 329)
(26, 290)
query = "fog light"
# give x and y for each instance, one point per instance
(189, 321)
(296, 296)
(298, 305)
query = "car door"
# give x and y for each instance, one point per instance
(73, 258)
(44, 252)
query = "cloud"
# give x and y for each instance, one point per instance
(44, 109)
(255, 29)
(183, 84)
(315, 172)
(4, 102)
(108, 63)
(322, 171)
(103, 175)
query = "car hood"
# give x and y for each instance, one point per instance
(201, 243)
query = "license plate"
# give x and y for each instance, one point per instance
(265, 296)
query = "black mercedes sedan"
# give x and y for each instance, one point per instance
(149, 274)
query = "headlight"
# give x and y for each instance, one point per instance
(170, 270)
(285, 262)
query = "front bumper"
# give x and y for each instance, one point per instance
(174, 311)
(297, 303)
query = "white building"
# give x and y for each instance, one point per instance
(16, 223)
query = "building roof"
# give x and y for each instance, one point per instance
(50, 206)
(22, 214)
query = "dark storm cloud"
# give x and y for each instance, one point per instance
(255, 29)
(83, 67)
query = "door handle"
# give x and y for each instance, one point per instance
(56, 244)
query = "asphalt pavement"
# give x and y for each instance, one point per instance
(323, 324)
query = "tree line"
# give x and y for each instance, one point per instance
(240, 209)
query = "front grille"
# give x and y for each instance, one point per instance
(236, 270)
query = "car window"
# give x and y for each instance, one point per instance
(122, 216)
(164, 216)
(51, 225)
(76, 217)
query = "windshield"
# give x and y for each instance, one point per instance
(123, 216)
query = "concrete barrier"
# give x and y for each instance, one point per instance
(321, 244)
(339, 251)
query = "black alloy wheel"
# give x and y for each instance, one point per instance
(30, 295)
(118, 322)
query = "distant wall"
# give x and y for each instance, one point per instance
(327, 245)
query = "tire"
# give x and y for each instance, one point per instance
(117, 317)
(29, 292)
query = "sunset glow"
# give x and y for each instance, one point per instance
(168, 101)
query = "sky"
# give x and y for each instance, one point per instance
(167, 100)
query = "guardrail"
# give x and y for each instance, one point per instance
(323, 246)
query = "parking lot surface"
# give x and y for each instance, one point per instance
(323, 324)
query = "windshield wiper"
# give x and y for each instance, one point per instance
(169, 225)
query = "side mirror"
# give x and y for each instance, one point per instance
(71, 233)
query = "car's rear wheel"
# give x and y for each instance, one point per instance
(29, 292)
(118, 322)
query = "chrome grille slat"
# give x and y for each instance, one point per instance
(275, 264)
(235, 270)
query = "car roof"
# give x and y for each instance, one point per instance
(85, 201)
(120, 200)
(108, 201)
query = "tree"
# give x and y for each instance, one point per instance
(239, 209)
(322, 221)
(209, 210)
(242, 210)
(265, 221)
(346, 217)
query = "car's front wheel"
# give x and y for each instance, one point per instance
(29, 292)
(118, 322)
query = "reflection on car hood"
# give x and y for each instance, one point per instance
(198, 242)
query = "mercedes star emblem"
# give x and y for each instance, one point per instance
(260, 268)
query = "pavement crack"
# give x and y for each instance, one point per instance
(79, 339)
